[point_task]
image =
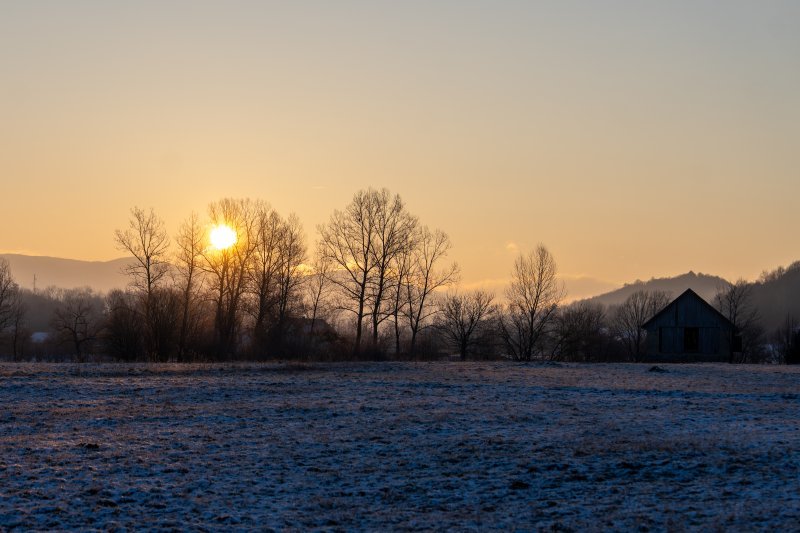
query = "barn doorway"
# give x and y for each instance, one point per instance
(691, 340)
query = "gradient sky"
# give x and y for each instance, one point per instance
(634, 139)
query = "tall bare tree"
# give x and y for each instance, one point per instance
(532, 300)
(147, 241)
(629, 316)
(228, 268)
(461, 317)
(394, 235)
(275, 276)
(190, 243)
(270, 230)
(424, 277)
(360, 242)
(399, 297)
(292, 252)
(317, 289)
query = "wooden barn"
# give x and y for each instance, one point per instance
(690, 329)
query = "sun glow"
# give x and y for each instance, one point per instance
(222, 237)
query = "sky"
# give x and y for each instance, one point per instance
(635, 139)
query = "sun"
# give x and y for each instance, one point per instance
(222, 237)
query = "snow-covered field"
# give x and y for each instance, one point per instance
(399, 446)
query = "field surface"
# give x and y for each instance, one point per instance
(399, 446)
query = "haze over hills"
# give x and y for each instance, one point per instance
(776, 295)
(101, 276)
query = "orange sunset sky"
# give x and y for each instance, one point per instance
(634, 139)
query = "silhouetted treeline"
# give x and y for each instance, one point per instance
(375, 285)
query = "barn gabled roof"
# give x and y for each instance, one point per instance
(689, 293)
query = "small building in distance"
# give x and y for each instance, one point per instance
(689, 329)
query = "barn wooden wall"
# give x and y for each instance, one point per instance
(665, 333)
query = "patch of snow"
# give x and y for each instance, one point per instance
(399, 446)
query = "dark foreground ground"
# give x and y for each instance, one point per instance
(400, 446)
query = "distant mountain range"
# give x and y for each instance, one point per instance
(101, 276)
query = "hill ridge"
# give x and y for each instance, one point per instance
(101, 276)
(705, 285)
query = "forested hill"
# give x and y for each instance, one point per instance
(703, 284)
(776, 295)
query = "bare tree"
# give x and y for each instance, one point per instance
(461, 317)
(361, 242)
(275, 276)
(394, 233)
(228, 268)
(190, 242)
(292, 253)
(346, 242)
(424, 278)
(734, 300)
(146, 239)
(77, 319)
(629, 317)
(317, 288)
(402, 272)
(533, 297)
(270, 229)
